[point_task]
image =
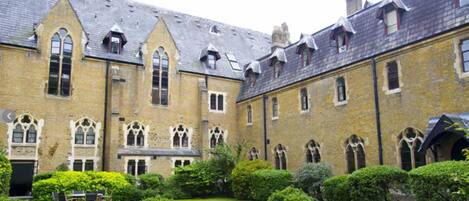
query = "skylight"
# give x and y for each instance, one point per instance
(233, 62)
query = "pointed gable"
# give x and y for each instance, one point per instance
(342, 25)
(306, 41)
(396, 4)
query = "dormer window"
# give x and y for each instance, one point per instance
(115, 40)
(390, 12)
(277, 68)
(209, 56)
(115, 45)
(342, 42)
(305, 49)
(277, 59)
(341, 33)
(305, 57)
(253, 69)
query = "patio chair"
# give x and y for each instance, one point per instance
(59, 196)
(91, 196)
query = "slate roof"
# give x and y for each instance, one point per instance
(426, 18)
(191, 34)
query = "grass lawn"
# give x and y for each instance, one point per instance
(211, 199)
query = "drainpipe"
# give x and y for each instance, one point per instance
(377, 111)
(264, 104)
(106, 92)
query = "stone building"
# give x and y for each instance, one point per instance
(119, 86)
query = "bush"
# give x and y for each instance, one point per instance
(374, 183)
(336, 188)
(150, 181)
(65, 182)
(265, 182)
(290, 194)
(173, 190)
(240, 177)
(196, 179)
(158, 198)
(439, 181)
(42, 176)
(310, 177)
(5, 174)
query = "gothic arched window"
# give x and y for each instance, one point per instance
(25, 129)
(160, 83)
(355, 153)
(135, 134)
(60, 65)
(181, 137)
(409, 143)
(216, 137)
(85, 131)
(280, 157)
(312, 152)
(253, 154)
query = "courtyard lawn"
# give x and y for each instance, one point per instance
(211, 199)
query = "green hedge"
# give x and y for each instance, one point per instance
(5, 174)
(311, 176)
(151, 181)
(240, 177)
(196, 179)
(374, 183)
(337, 188)
(80, 181)
(264, 182)
(158, 199)
(290, 194)
(440, 181)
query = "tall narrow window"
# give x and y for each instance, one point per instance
(305, 57)
(160, 83)
(216, 137)
(60, 65)
(135, 134)
(25, 129)
(85, 131)
(304, 99)
(115, 45)
(249, 114)
(277, 68)
(131, 167)
(342, 42)
(280, 157)
(341, 89)
(391, 21)
(393, 75)
(253, 154)
(217, 102)
(211, 61)
(312, 152)
(409, 143)
(355, 153)
(141, 167)
(465, 55)
(181, 137)
(274, 108)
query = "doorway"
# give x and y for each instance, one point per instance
(21, 178)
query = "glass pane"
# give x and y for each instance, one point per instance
(466, 67)
(231, 57)
(185, 140)
(79, 136)
(235, 66)
(68, 46)
(131, 139)
(213, 101)
(317, 156)
(141, 167)
(350, 159)
(31, 135)
(140, 139)
(406, 159)
(53, 83)
(463, 2)
(90, 137)
(18, 134)
(187, 162)
(78, 165)
(419, 158)
(177, 163)
(66, 75)
(155, 94)
(176, 140)
(361, 163)
(89, 165)
(164, 97)
(156, 60)
(465, 44)
(131, 167)
(220, 102)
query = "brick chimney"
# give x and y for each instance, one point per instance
(280, 36)
(353, 6)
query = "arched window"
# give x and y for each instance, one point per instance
(60, 65)
(180, 137)
(312, 152)
(160, 77)
(355, 153)
(341, 89)
(280, 157)
(249, 114)
(253, 154)
(409, 143)
(216, 137)
(135, 134)
(85, 131)
(25, 129)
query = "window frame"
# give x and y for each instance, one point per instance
(211, 61)
(304, 100)
(233, 61)
(393, 76)
(249, 115)
(179, 131)
(115, 44)
(129, 129)
(218, 108)
(135, 164)
(463, 68)
(217, 133)
(280, 157)
(387, 26)
(341, 88)
(342, 36)
(183, 161)
(160, 88)
(84, 162)
(61, 90)
(278, 66)
(412, 143)
(305, 52)
(313, 149)
(355, 144)
(253, 154)
(275, 108)
(25, 130)
(80, 124)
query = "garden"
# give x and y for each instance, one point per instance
(226, 177)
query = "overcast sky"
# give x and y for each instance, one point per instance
(302, 16)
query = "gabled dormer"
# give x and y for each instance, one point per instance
(252, 71)
(209, 56)
(390, 12)
(115, 40)
(277, 60)
(341, 33)
(305, 48)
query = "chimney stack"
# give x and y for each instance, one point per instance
(280, 36)
(353, 6)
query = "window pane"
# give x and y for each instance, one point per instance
(185, 140)
(220, 102)
(187, 162)
(419, 158)
(68, 46)
(463, 2)
(393, 76)
(53, 83)
(465, 44)
(66, 75)
(213, 101)
(391, 21)
(18, 134)
(131, 139)
(141, 167)
(350, 159)
(140, 139)
(78, 165)
(341, 89)
(406, 159)
(249, 114)
(31, 135)
(79, 136)
(89, 165)
(211, 61)
(466, 67)
(176, 140)
(361, 163)
(213, 141)
(178, 163)
(90, 136)
(164, 97)
(131, 167)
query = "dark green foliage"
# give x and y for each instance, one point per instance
(151, 181)
(131, 193)
(131, 179)
(310, 177)
(197, 179)
(173, 190)
(265, 182)
(290, 194)
(222, 162)
(42, 176)
(337, 189)
(374, 183)
(240, 176)
(62, 167)
(440, 181)
(158, 198)
(5, 174)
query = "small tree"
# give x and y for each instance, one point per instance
(310, 178)
(5, 174)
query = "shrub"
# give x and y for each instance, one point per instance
(62, 167)
(290, 194)
(196, 179)
(42, 176)
(374, 183)
(158, 198)
(240, 176)
(172, 189)
(439, 181)
(5, 174)
(336, 188)
(131, 193)
(310, 177)
(265, 182)
(150, 181)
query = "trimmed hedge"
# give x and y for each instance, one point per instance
(337, 188)
(81, 181)
(196, 179)
(290, 194)
(5, 174)
(311, 176)
(374, 183)
(151, 181)
(264, 182)
(240, 177)
(440, 181)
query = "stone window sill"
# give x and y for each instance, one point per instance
(249, 124)
(84, 146)
(393, 91)
(274, 118)
(23, 144)
(465, 75)
(341, 103)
